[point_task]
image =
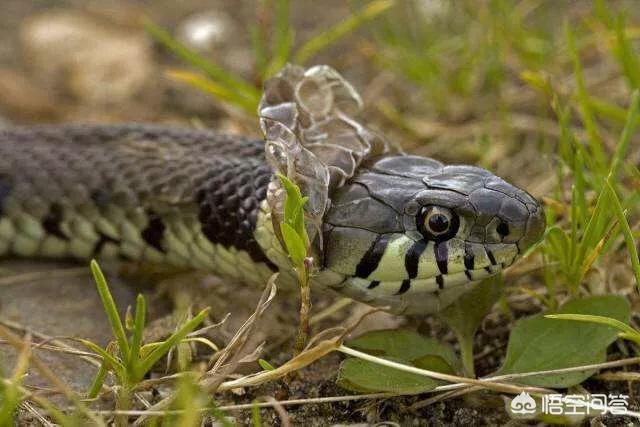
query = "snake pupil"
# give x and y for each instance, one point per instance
(438, 223)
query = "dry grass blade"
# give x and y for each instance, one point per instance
(279, 408)
(29, 408)
(59, 345)
(300, 361)
(236, 345)
(443, 396)
(619, 376)
(243, 406)
(490, 384)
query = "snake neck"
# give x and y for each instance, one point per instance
(272, 248)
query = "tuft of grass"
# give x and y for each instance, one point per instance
(591, 230)
(585, 225)
(127, 357)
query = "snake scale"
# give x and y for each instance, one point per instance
(389, 229)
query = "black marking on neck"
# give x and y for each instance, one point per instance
(492, 259)
(153, 233)
(441, 253)
(53, 221)
(373, 284)
(412, 258)
(469, 258)
(440, 281)
(372, 257)
(104, 239)
(488, 270)
(468, 274)
(404, 287)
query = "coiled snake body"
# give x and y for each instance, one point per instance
(387, 228)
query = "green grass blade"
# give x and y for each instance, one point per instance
(626, 54)
(593, 233)
(98, 381)
(635, 337)
(10, 398)
(138, 330)
(259, 50)
(266, 365)
(614, 323)
(627, 133)
(575, 220)
(595, 141)
(283, 39)
(147, 363)
(10, 393)
(259, 36)
(256, 419)
(213, 70)
(112, 362)
(216, 89)
(338, 31)
(580, 186)
(626, 231)
(608, 109)
(110, 309)
(601, 10)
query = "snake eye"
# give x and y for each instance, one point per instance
(437, 223)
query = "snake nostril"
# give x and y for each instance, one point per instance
(503, 229)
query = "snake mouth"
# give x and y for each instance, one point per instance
(396, 264)
(374, 289)
(438, 267)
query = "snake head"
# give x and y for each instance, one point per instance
(411, 233)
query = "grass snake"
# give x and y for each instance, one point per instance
(388, 229)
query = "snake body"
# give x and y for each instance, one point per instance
(177, 196)
(401, 231)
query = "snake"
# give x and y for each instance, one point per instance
(387, 228)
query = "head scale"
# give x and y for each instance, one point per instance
(412, 233)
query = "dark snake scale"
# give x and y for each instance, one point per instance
(388, 229)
